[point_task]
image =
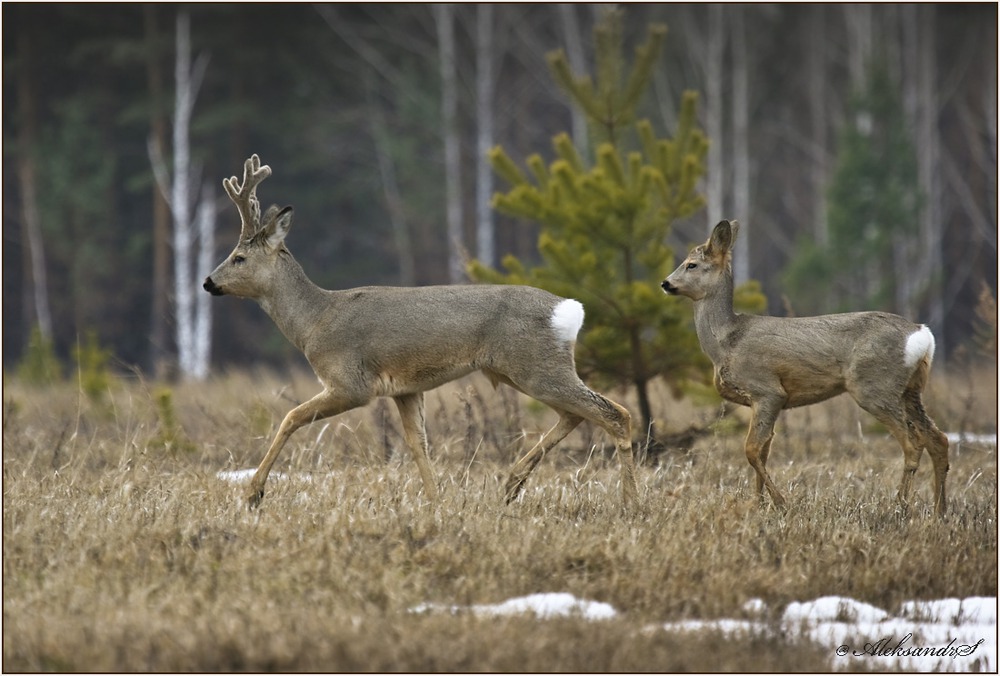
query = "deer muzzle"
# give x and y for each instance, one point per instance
(212, 288)
(668, 287)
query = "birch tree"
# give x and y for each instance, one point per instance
(191, 309)
(484, 133)
(741, 142)
(27, 174)
(444, 19)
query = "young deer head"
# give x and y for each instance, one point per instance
(399, 342)
(773, 363)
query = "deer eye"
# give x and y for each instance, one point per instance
(692, 266)
(238, 259)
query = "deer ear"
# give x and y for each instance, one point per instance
(723, 236)
(276, 228)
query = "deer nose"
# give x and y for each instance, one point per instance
(211, 287)
(668, 287)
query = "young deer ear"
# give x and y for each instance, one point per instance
(722, 237)
(276, 228)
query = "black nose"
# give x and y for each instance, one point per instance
(210, 286)
(668, 287)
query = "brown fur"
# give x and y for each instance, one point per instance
(399, 342)
(774, 363)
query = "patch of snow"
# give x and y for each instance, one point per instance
(941, 635)
(239, 476)
(236, 476)
(543, 606)
(944, 635)
(966, 438)
(832, 609)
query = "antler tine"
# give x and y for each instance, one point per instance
(245, 196)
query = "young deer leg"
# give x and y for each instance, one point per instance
(519, 474)
(411, 411)
(758, 445)
(323, 405)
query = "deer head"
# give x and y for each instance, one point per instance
(248, 270)
(702, 270)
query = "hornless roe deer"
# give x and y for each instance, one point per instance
(399, 342)
(772, 363)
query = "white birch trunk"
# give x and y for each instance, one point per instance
(741, 141)
(714, 114)
(188, 80)
(203, 309)
(484, 136)
(180, 199)
(443, 16)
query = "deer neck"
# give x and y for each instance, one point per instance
(714, 319)
(293, 301)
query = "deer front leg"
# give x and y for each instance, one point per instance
(323, 405)
(411, 411)
(758, 445)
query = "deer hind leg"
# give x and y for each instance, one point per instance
(925, 434)
(758, 445)
(411, 412)
(892, 415)
(523, 467)
(323, 405)
(616, 421)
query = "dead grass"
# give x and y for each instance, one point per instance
(120, 555)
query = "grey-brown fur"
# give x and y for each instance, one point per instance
(773, 363)
(399, 342)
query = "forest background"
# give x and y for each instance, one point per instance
(377, 119)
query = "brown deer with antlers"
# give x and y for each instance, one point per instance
(399, 342)
(773, 363)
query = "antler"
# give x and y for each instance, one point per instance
(245, 196)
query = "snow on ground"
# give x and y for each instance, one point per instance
(945, 635)
(543, 606)
(984, 439)
(242, 476)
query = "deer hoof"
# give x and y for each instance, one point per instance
(254, 497)
(513, 489)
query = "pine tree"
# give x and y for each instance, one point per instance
(604, 223)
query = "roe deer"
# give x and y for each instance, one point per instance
(773, 363)
(399, 342)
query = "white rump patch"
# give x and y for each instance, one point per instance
(918, 345)
(567, 318)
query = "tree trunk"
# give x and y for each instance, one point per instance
(188, 80)
(858, 18)
(390, 187)
(159, 356)
(928, 162)
(443, 16)
(741, 140)
(714, 115)
(485, 236)
(27, 172)
(203, 309)
(816, 69)
(574, 52)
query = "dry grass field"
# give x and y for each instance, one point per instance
(124, 550)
